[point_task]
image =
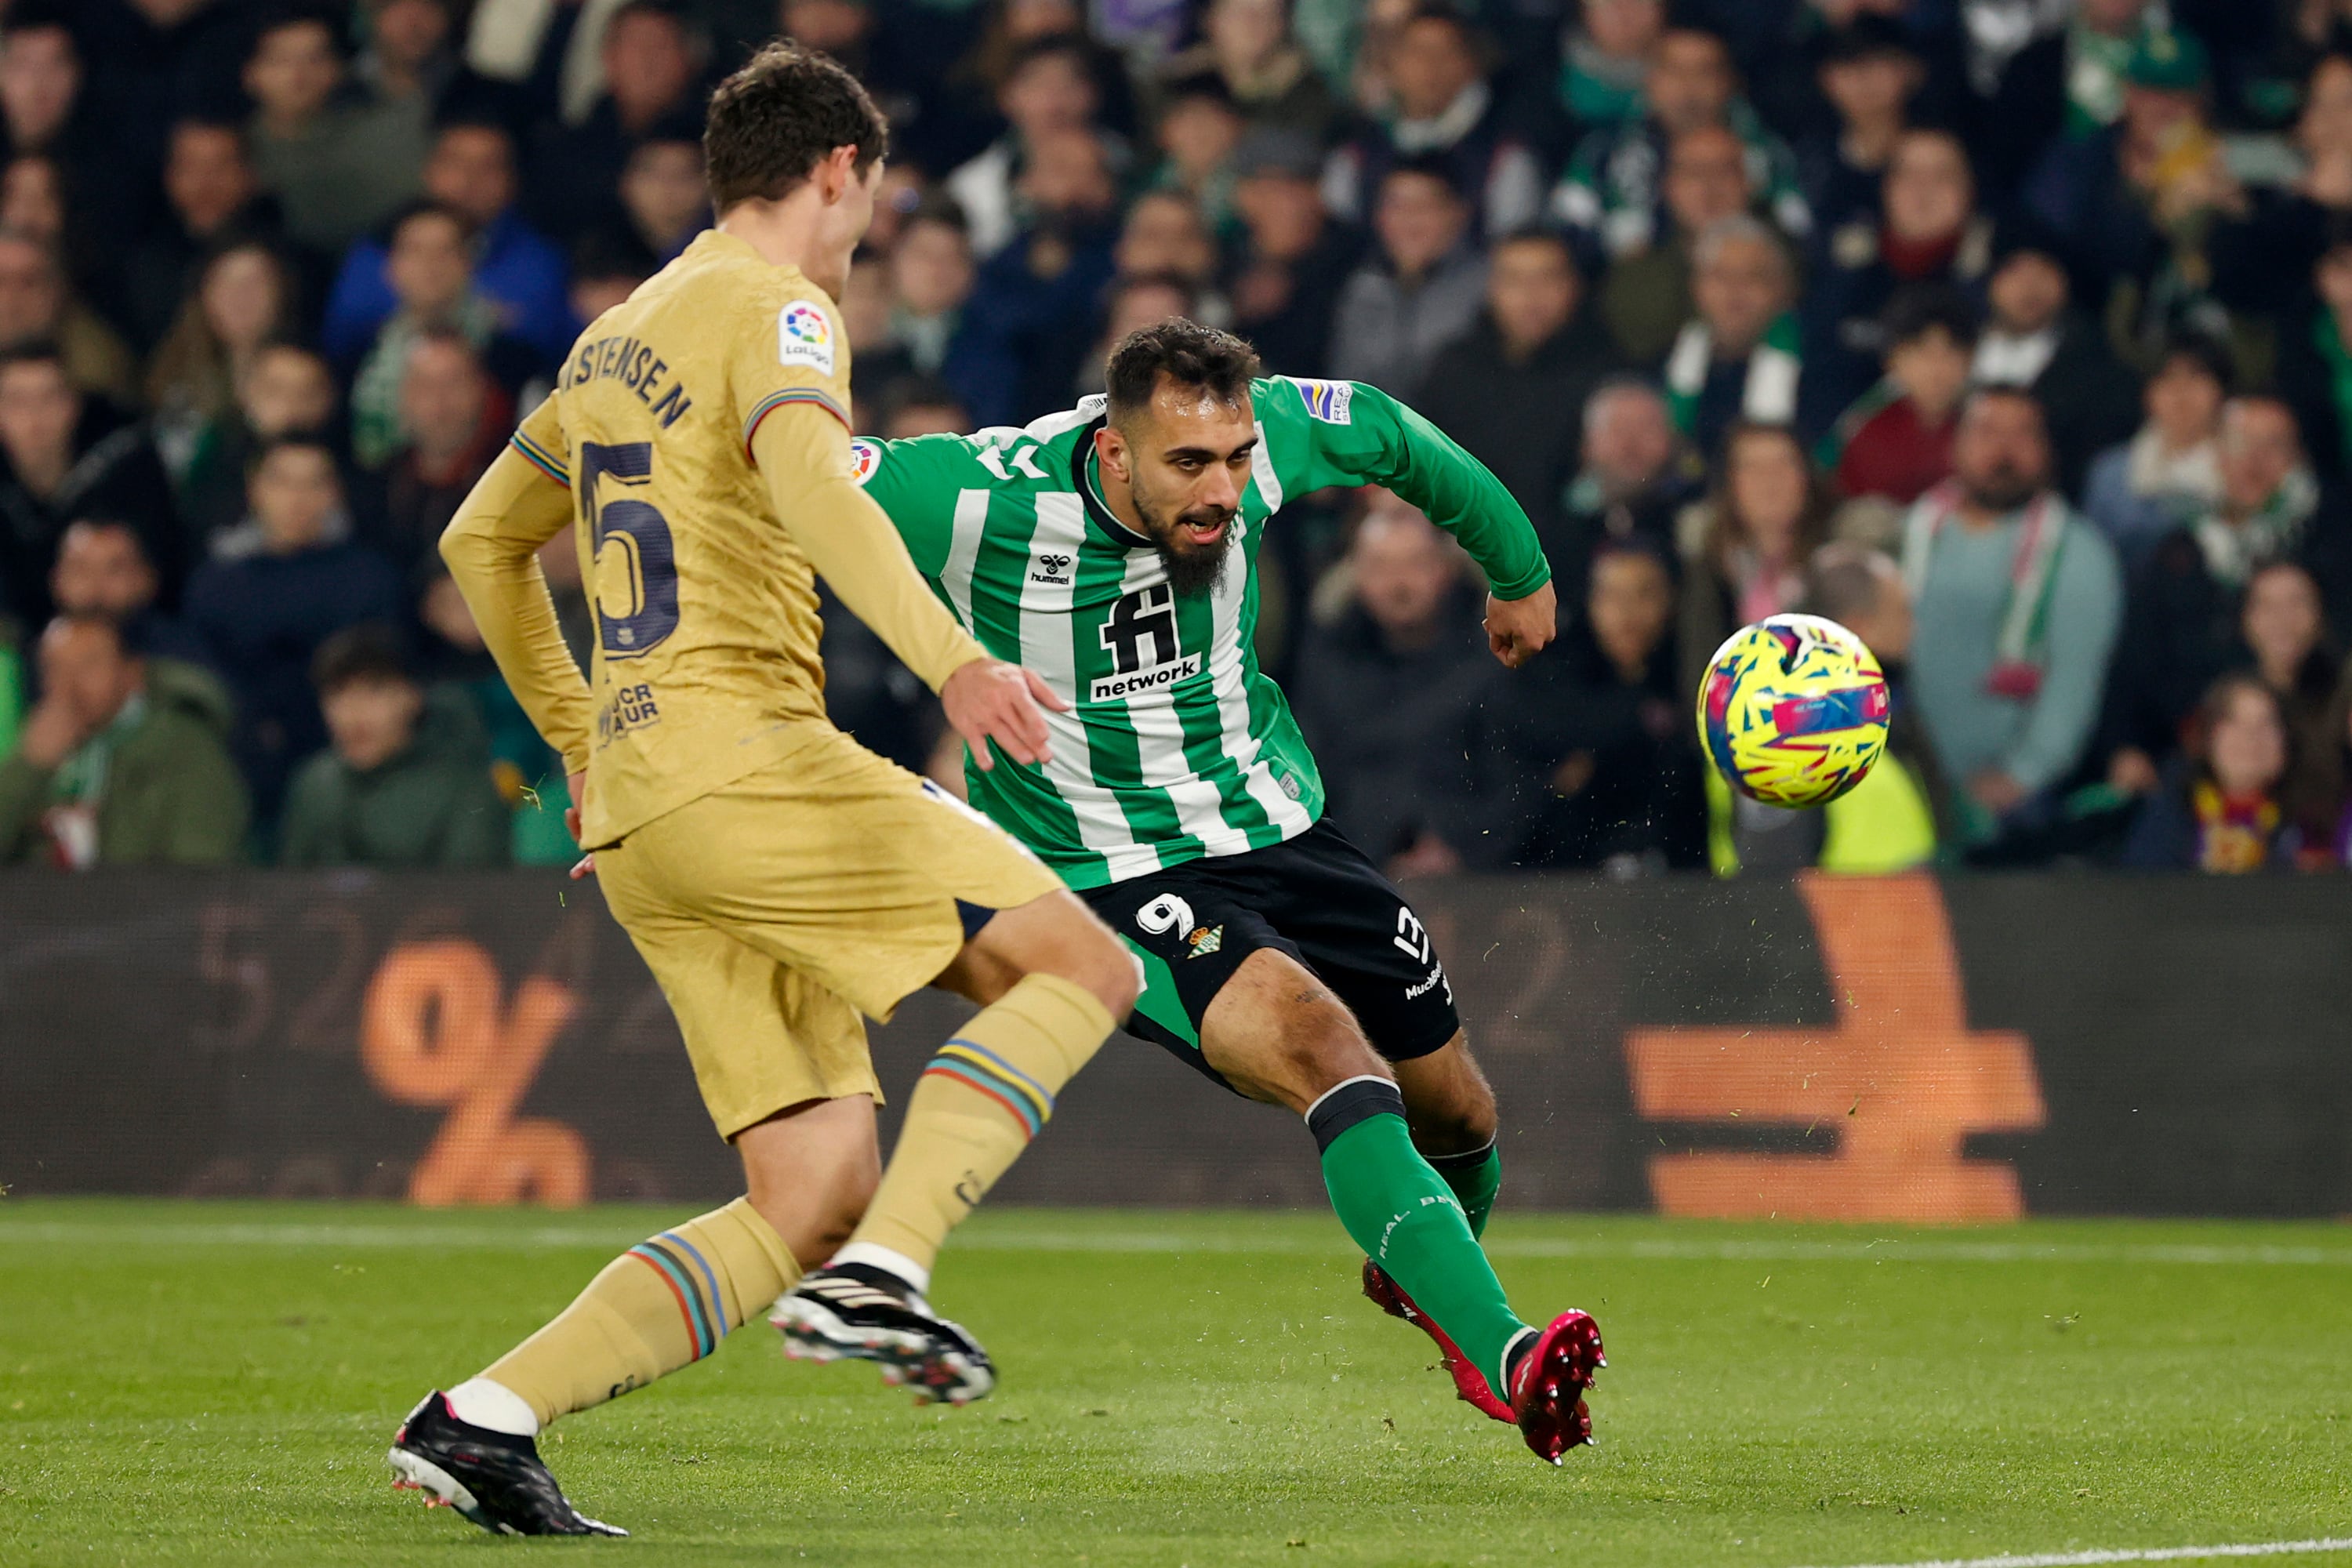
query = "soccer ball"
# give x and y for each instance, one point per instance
(1793, 710)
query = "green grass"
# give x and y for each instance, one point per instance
(215, 1383)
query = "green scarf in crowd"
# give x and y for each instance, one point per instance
(1771, 396)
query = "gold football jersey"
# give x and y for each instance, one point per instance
(706, 610)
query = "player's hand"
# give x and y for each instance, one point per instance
(1518, 629)
(987, 699)
(576, 785)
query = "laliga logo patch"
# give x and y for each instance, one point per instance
(1328, 400)
(804, 337)
(865, 457)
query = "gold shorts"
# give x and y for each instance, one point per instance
(778, 907)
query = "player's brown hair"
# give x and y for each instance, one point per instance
(772, 121)
(1187, 353)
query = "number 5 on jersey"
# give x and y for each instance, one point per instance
(636, 566)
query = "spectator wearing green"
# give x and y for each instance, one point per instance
(124, 761)
(12, 697)
(404, 781)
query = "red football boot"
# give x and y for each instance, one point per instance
(1549, 1384)
(1469, 1383)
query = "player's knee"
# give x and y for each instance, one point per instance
(1326, 1045)
(1461, 1121)
(1112, 974)
(1089, 956)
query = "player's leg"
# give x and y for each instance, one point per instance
(946, 897)
(1350, 927)
(1277, 1033)
(1053, 983)
(783, 1068)
(1451, 1108)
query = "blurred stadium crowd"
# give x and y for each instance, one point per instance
(1713, 286)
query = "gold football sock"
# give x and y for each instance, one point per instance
(666, 1302)
(988, 1092)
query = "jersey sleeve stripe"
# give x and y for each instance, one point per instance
(776, 400)
(546, 461)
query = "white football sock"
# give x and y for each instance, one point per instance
(916, 1276)
(479, 1402)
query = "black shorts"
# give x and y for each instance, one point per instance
(1315, 898)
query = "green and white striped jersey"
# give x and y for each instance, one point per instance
(1176, 746)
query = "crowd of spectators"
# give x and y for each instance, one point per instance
(2017, 334)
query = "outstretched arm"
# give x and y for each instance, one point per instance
(803, 453)
(1368, 438)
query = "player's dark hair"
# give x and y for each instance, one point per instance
(1186, 352)
(774, 121)
(370, 652)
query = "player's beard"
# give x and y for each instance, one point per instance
(1191, 568)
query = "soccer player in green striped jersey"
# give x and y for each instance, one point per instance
(1113, 550)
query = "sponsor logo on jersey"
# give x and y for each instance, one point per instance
(1054, 567)
(1140, 636)
(1206, 940)
(1427, 984)
(1328, 400)
(865, 457)
(630, 707)
(804, 337)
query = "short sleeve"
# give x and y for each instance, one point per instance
(798, 353)
(540, 438)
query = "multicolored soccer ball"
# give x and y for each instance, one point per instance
(1793, 710)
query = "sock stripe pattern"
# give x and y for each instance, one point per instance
(700, 1312)
(1348, 1105)
(981, 1068)
(717, 1303)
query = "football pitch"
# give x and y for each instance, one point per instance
(215, 1383)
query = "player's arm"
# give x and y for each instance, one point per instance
(492, 548)
(1371, 438)
(802, 453)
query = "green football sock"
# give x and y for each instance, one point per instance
(1407, 1219)
(1475, 1177)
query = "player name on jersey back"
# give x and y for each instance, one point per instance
(634, 365)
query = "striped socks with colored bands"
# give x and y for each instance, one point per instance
(664, 1303)
(988, 1092)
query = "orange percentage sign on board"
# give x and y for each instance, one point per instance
(432, 1032)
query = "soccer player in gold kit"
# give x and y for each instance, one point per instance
(779, 879)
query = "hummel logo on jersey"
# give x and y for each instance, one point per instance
(1053, 568)
(1148, 616)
